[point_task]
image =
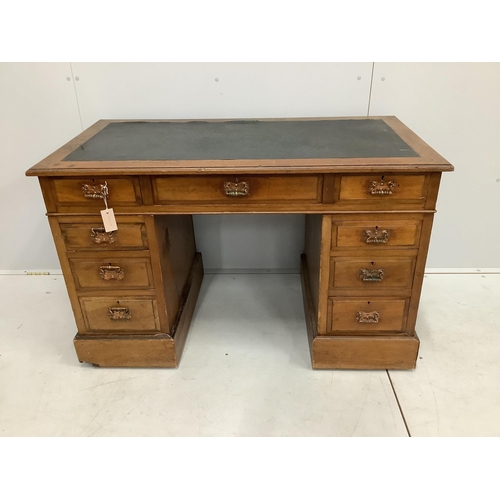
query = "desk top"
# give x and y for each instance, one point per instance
(251, 146)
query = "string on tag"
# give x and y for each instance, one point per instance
(105, 192)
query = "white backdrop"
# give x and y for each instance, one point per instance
(38, 114)
(454, 107)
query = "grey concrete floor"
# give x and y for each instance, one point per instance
(246, 369)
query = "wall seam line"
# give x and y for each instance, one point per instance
(76, 96)
(370, 92)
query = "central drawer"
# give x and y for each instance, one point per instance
(237, 189)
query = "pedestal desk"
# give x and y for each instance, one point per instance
(368, 187)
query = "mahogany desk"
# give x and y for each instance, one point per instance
(368, 186)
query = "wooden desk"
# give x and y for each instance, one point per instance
(368, 186)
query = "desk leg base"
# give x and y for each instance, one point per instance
(145, 351)
(138, 351)
(355, 352)
(365, 353)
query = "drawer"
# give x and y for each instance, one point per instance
(112, 273)
(120, 314)
(240, 189)
(86, 191)
(389, 188)
(371, 274)
(91, 236)
(376, 234)
(366, 315)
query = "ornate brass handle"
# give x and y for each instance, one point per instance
(367, 317)
(371, 274)
(108, 273)
(95, 192)
(99, 235)
(236, 188)
(119, 313)
(374, 237)
(381, 188)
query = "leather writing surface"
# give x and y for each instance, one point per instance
(203, 140)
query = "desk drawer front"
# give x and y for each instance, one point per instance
(91, 236)
(365, 316)
(374, 274)
(387, 188)
(241, 189)
(376, 234)
(87, 192)
(120, 314)
(112, 273)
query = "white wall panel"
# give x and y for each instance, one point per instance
(228, 90)
(455, 108)
(221, 90)
(38, 114)
(266, 242)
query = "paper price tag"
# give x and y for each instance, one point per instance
(108, 218)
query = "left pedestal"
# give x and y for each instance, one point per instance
(133, 291)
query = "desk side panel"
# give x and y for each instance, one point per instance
(317, 254)
(172, 252)
(312, 252)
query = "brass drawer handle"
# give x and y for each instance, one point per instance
(119, 313)
(381, 188)
(374, 236)
(236, 188)
(108, 273)
(99, 192)
(371, 275)
(367, 317)
(99, 235)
